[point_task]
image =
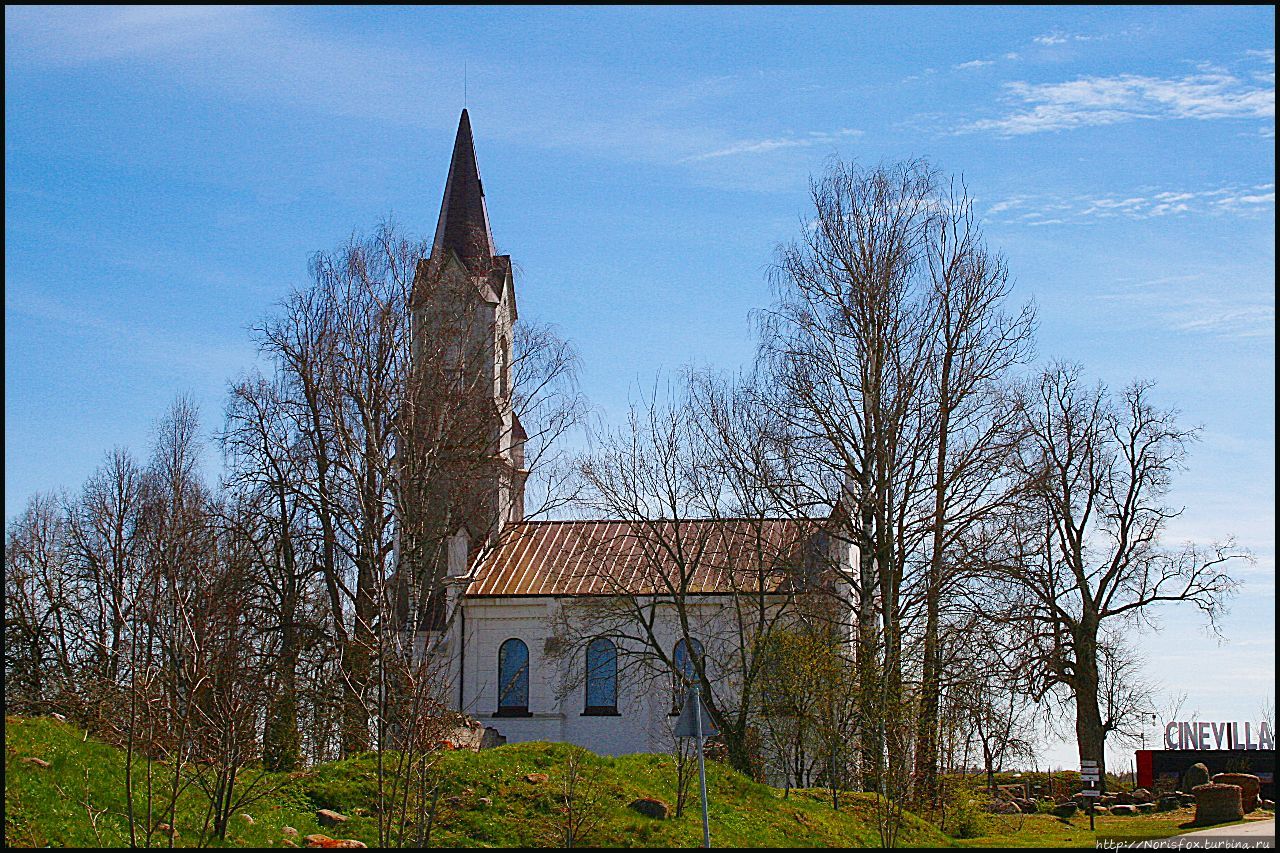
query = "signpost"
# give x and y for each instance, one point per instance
(695, 724)
(1091, 775)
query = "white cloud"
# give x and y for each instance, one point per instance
(1194, 305)
(1235, 199)
(1092, 101)
(974, 63)
(760, 146)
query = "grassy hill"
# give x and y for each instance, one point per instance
(79, 800)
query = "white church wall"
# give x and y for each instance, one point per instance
(645, 695)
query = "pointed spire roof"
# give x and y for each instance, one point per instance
(464, 219)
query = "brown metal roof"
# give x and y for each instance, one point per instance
(706, 556)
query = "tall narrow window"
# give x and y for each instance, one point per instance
(602, 677)
(686, 671)
(513, 679)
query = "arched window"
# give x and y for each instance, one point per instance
(602, 677)
(513, 679)
(686, 672)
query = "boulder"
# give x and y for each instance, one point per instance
(1249, 786)
(1217, 804)
(536, 778)
(1187, 799)
(1169, 802)
(289, 842)
(328, 817)
(38, 762)
(332, 843)
(1145, 808)
(1026, 805)
(247, 818)
(1197, 774)
(1124, 798)
(1003, 807)
(1142, 795)
(1101, 810)
(485, 802)
(491, 738)
(58, 717)
(290, 832)
(1124, 809)
(1267, 805)
(651, 807)
(1067, 809)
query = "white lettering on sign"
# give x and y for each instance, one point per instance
(1219, 735)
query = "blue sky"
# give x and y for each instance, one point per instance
(169, 170)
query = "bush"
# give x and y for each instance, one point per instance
(964, 817)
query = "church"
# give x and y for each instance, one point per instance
(585, 631)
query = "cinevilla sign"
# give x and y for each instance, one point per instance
(1203, 735)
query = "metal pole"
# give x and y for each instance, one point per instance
(702, 770)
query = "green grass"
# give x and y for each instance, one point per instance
(52, 806)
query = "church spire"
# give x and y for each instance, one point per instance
(464, 219)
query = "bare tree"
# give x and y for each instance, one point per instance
(1087, 553)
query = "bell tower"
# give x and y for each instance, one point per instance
(465, 471)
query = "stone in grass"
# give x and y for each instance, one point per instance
(325, 841)
(1142, 795)
(536, 778)
(1067, 809)
(1146, 808)
(1101, 810)
(38, 762)
(328, 817)
(247, 818)
(1169, 802)
(651, 807)
(1217, 803)
(1124, 809)
(289, 831)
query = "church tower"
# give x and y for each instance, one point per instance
(466, 471)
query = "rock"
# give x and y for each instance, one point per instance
(1187, 799)
(165, 829)
(485, 802)
(1249, 786)
(491, 737)
(333, 843)
(1267, 805)
(58, 717)
(1145, 808)
(247, 818)
(289, 831)
(651, 807)
(1003, 807)
(1124, 798)
(1067, 809)
(1100, 810)
(1196, 775)
(328, 817)
(536, 778)
(315, 840)
(289, 842)
(1142, 795)
(38, 762)
(1169, 802)
(1026, 806)
(1107, 800)
(1217, 804)
(1124, 809)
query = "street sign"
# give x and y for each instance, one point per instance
(1084, 764)
(686, 725)
(1091, 792)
